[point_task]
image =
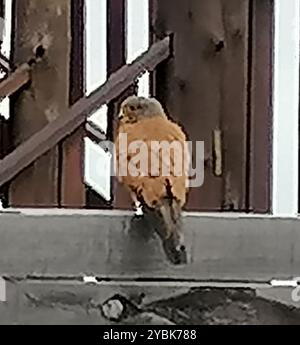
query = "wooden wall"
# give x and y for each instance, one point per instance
(220, 78)
(44, 24)
(5, 132)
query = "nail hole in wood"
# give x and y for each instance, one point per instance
(220, 46)
(40, 52)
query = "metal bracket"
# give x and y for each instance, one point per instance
(217, 153)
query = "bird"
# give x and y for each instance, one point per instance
(159, 184)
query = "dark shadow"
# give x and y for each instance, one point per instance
(148, 227)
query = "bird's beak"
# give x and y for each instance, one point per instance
(121, 115)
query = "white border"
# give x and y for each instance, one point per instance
(286, 108)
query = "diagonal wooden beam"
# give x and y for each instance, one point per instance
(4, 63)
(64, 125)
(15, 81)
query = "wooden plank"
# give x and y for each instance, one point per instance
(5, 137)
(2, 8)
(110, 245)
(62, 126)
(77, 51)
(5, 146)
(116, 35)
(213, 91)
(261, 106)
(15, 81)
(47, 25)
(233, 81)
(189, 84)
(72, 189)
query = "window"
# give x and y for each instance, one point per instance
(136, 21)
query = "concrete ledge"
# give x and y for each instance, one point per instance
(112, 245)
(94, 212)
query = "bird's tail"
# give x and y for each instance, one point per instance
(170, 230)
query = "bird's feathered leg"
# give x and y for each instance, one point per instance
(166, 215)
(170, 231)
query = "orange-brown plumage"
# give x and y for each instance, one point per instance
(153, 188)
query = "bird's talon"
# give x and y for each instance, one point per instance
(139, 212)
(138, 209)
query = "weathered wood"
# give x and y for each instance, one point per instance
(260, 167)
(233, 77)
(64, 125)
(220, 78)
(15, 81)
(72, 188)
(40, 25)
(5, 143)
(108, 245)
(192, 84)
(5, 125)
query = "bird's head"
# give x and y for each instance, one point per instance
(136, 108)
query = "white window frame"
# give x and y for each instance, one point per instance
(6, 49)
(286, 108)
(138, 38)
(96, 69)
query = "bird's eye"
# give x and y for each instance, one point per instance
(132, 108)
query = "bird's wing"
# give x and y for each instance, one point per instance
(153, 187)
